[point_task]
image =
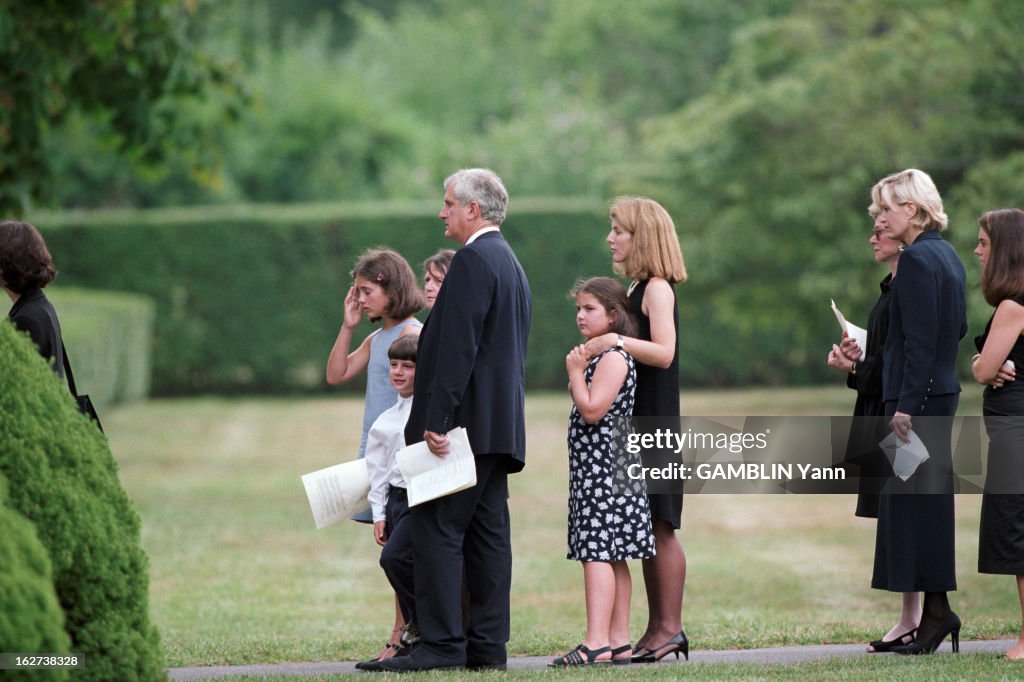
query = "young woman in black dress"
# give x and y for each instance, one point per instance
(1000, 350)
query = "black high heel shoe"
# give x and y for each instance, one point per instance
(880, 646)
(678, 643)
(949, 626)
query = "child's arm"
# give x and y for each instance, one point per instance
(593, 401)
(342, 365)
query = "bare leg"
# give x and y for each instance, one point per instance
(665, 578)
(1016, 652)
(391, 647)
(910, 617)
(599, 582)
(618, 632)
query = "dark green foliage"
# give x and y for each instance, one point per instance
(119, 65)
(31, 620)
(67, 485)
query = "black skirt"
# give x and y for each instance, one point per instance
(914, 542)
(1001, 536)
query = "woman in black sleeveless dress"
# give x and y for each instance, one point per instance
(1001, 542)
(645, 249)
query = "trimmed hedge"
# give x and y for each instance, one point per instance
(109, 337)
(31, 620)
(249, 299)
(67, 485)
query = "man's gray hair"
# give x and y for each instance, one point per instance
(483, 186)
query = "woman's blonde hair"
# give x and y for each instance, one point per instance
(911, 186)
(655, 251)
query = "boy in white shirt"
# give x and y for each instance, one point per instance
(388, 498)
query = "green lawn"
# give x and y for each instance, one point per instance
(239, 574)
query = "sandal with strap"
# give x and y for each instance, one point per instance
(372, 664)
(581, 655)
(618, 651)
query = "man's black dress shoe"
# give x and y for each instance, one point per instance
(419, 661)
(483, 666)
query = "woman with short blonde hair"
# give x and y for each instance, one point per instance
(911, 187)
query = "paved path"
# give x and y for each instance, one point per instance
(788, 655)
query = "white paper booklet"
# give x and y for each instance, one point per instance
(429, 476)
(337, 492)
(859, 334)
(904, 457)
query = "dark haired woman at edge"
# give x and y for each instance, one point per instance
(1001, 543)
(25, 269)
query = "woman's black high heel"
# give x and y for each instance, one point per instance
(678, 643)
(949, 626)
(880, 646)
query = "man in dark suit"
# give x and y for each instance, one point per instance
(470, 371)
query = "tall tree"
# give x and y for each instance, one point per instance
(121, 61)
(769, 172)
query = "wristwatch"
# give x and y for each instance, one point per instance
(621, 342)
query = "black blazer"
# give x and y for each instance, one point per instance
(927, 319)
(471, 362)
(33, 313)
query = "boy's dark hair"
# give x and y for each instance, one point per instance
(404, 348)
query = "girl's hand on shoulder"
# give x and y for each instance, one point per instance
(353, 311)
(600, 344)
(576, 360)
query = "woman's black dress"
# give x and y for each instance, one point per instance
(1001, 541)
(657, 395)
(862, 450)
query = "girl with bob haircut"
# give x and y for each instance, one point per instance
(645, 248)
(1000, 350)
(384, 289)
(609, 518)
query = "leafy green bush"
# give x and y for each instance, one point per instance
(109, 337)
(68, 487)
(31, 620)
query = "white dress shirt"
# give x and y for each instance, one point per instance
(385, 438)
